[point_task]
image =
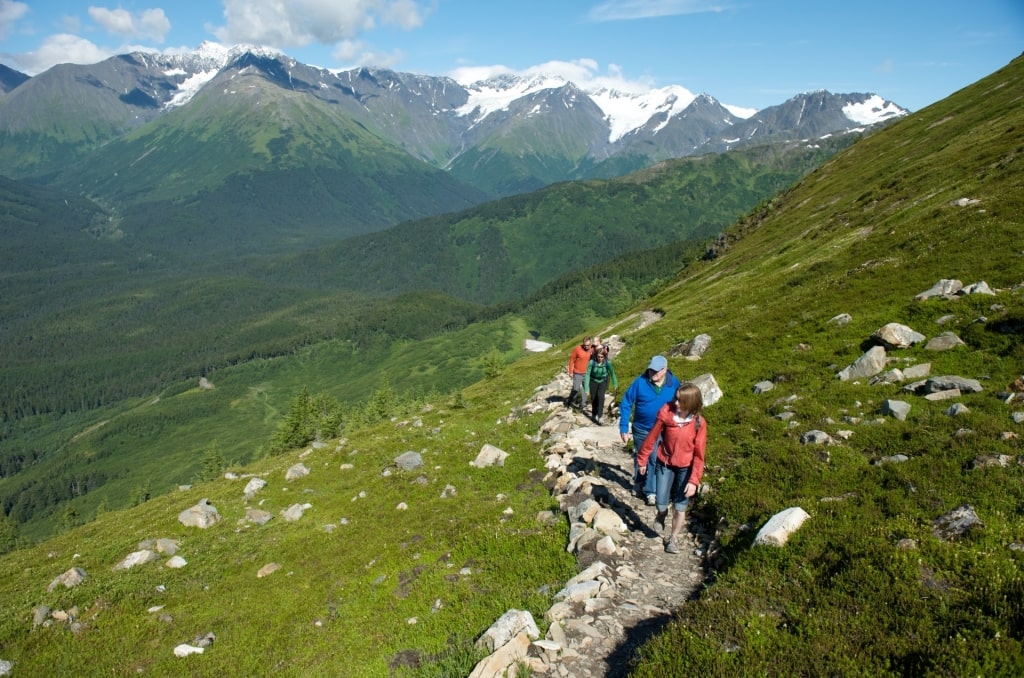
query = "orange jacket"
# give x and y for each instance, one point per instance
(682, 444)
(579, 360)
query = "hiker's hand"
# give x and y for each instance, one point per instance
(690, 490)
(625, 437)
(643, 470)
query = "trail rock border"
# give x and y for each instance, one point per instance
(628, 587)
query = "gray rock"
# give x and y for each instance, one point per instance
(295, 472)
(202, 515)
(489, 456)
(896, 408)
(1018, 417)
(868, 365)
(816, 437)
(698, 347)
(779, 528)
(507, 627)
(957, 409)
(167, 546)
(40, 613)
(258, 516)
(893, 376)
(944, 342)
(943, 288)
(409, 461)
(957, 523)
(709, 388)
(895, 335)
(946, 383)
(136, 558)
(992, 461)
(919, 371)
(841, 320)
(72, 577)
(294, 512)
(253, 486)
(763, 387)
(893, 459)
(943, 395)
(980, 287)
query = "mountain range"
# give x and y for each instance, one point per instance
(501, 136)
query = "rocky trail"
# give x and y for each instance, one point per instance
(628, 588)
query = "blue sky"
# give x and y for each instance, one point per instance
(747, 53)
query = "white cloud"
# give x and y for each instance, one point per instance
(296, 23)
(585, 73)
(150, 23)
(61, 48)
(10, 12)
(621, 10)
(356, 53)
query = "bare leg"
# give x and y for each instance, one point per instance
(678, 520)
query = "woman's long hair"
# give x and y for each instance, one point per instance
(689, 399)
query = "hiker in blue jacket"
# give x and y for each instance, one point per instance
(641, 403)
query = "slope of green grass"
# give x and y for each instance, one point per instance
(863, 235)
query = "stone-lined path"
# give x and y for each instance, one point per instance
(628, 587)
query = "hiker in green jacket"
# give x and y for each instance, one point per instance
(599, 372)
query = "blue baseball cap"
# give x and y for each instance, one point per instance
(658, 363)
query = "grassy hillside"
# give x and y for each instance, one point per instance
(848, 595)
(864, 235)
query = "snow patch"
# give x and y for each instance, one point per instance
(872, 110)
(190, 87)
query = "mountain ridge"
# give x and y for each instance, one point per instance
(434, 119)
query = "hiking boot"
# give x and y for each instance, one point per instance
(659, 519)
(671, 546)
(651, 500)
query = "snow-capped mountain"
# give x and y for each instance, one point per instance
(504, 134)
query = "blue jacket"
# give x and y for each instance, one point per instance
(642, 400)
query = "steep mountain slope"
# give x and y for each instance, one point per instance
(539, 139)
(865, 587)
(252, 167)
(10, 78)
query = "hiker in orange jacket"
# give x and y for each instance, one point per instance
(578, 362)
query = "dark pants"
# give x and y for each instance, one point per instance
(597, 391)
(649, 481)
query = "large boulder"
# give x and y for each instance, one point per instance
(895, 335)
(868, 365)
(781, 526)
(490, 456)
(710, 391)
(202, 515)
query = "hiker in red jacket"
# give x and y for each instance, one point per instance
(578, 362)
(684, 435)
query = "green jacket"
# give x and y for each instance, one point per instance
(600, 372)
